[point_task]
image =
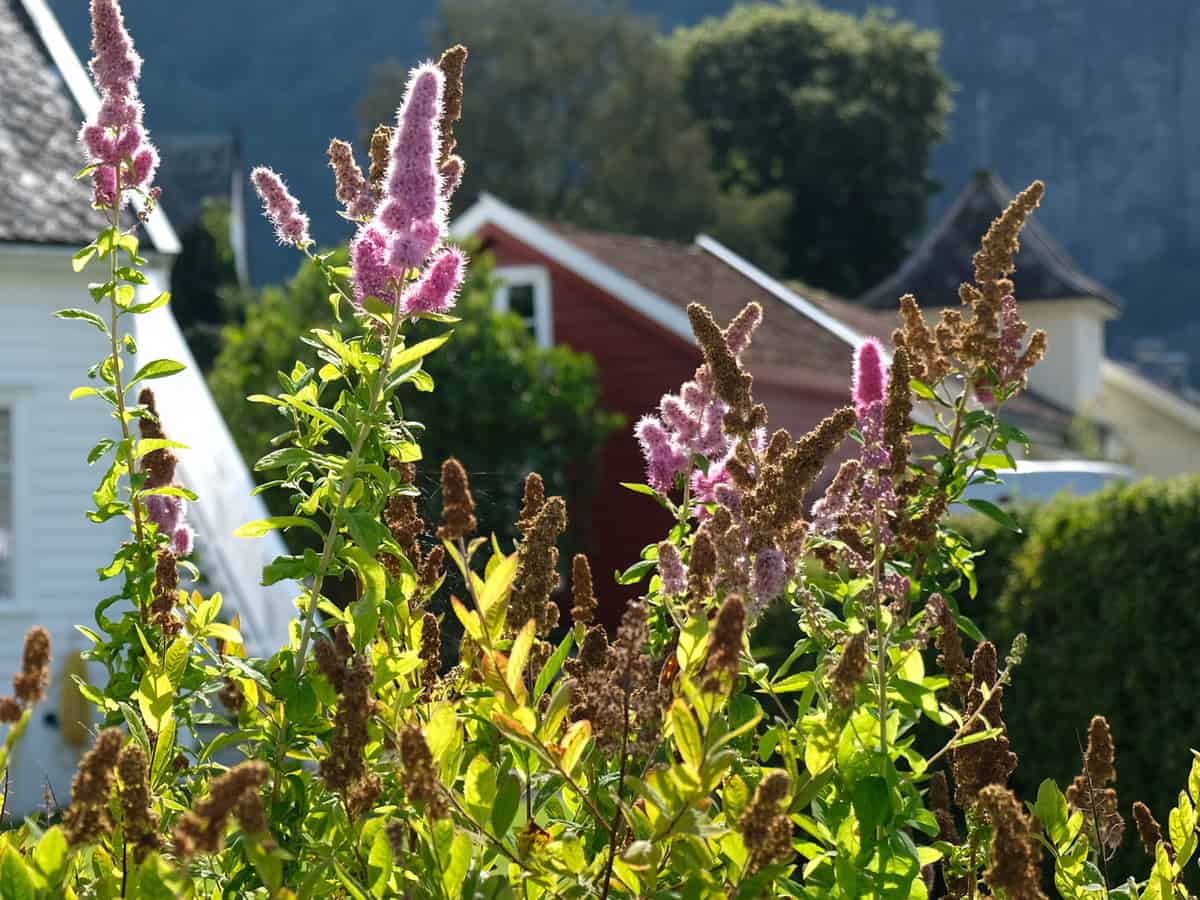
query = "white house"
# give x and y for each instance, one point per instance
(1141, 424)
(49, 552)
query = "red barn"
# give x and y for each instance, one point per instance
(623, 299)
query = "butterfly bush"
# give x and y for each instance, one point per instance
(554, 759)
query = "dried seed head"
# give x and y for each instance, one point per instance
(87, 819)
(381, 154)
(731, 382)
(202, 828)
(1149, 830)
(952, 659)
(29, 685)
(987, 762)
(765, 826)
(1016, 855)
(10, 710)
(584, 610)
(1088, 792)
(140, 819)
(848, 672)
(431, 651)
(346, 762)
(537, 570)
(451, 63)
(532, 501)
(420, 779)
(897, 412)
(702, 565)
(725, 644)
(458, 506)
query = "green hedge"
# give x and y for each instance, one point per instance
(1108, 589)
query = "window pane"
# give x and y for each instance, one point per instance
(520, 300)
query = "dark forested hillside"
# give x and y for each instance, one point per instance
(1096, 97)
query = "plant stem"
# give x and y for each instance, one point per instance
(335, 522)
(118, 386)
(614, 831)
(881, 635)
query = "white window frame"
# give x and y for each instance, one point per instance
(537, 277)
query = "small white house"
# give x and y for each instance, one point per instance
(49, 552)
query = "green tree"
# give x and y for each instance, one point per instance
(573, 111)
(504, 406)
(839, 112)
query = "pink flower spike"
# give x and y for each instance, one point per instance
(373, 277)
(413, 183)
(869, 378)
(145, 164)
(115, 64)
(280, 207)
(438, 288)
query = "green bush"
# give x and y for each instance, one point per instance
(1105, 587)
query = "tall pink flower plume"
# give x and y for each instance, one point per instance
(413, 183)
(114, 140)
(115, 64)
(438, 288)
(869, 377)
(281, 208)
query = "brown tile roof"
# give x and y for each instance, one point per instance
(943, 259)
(40, 200)
(683, 273)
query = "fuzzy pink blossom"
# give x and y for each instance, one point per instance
(742, 329)
(663, 460)
(414, 186)
(115, 64)
(769, 579)
(671, 570)
(182, 541)
(280, 207)
(373, 276)
(411, 247)
(114, 140)
(164, 511)
(868, 374)
(437, 290)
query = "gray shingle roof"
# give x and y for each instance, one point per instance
(943, 259)
(40, 199)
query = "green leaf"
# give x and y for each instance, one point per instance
(161, 300)
(155, 699)
(410, 355)
(365, 610)
(50, 855)
(16, 881)
(872, 802)
(552, 666)
(259, 527)
(380, 861)
(479, 786)
(84, 315)
(81, 258)
(156, 368)
(518, 658)
(508, 800)
(925, 392)
(687, 735)
(995, 513)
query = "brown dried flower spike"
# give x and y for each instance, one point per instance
(458, 506)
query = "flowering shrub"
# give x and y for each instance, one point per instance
(553, 761)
